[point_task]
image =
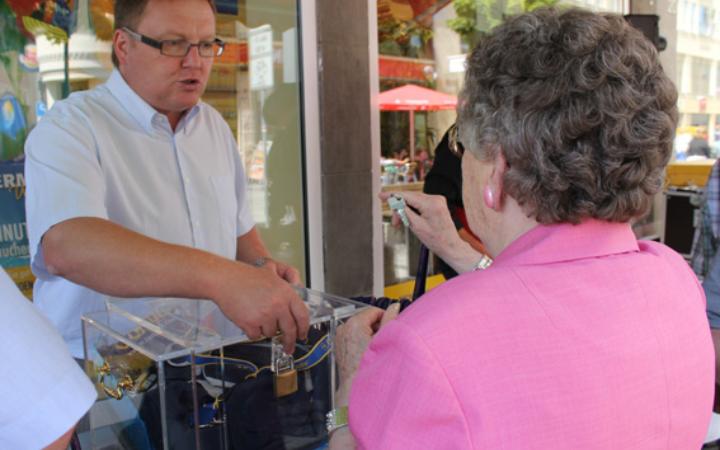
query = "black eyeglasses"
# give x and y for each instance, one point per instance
(179, 47)
(456, 147)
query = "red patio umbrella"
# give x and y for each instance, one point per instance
(414, 98)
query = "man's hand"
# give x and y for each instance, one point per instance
(285, 271)
(262, 304)
(250, 249)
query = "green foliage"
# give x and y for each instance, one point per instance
(465, 21)
(10, 37)
(12, 44)
(401, 38)
(476, 18)
(532, 5)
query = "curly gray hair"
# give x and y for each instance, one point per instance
(581, 109)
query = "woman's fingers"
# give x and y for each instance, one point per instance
(390, 314)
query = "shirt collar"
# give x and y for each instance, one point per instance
(187, 117)
(565, 242)
(146, 116)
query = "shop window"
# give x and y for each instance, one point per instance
(698, 120)
(700, 76)
(705, 25)
(255, 85)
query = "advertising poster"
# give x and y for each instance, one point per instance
(14, 253)
(20, 106)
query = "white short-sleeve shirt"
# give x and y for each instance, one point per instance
(43, 390)
(107, 153)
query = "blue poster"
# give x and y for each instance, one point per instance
(14, 250)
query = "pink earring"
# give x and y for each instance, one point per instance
(489, 197)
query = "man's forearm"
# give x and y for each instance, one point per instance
(116, 261)
(250, 247)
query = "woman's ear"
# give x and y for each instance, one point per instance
(494, 188)
(489, 197)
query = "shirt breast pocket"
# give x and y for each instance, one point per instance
(225, 201)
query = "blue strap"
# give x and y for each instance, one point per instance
(316, 354)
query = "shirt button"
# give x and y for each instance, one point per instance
(187, 179)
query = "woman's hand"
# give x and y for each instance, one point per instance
(351, 341)
(353, 338)
(431, 222)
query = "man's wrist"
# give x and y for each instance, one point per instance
(210, 277)
(261, 261)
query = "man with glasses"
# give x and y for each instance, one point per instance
(136, 188)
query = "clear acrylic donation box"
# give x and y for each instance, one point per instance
(176, 374)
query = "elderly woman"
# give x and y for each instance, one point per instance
(578, 336)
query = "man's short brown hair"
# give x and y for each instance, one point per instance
(128, 14)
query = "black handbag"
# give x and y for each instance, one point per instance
(418, 290)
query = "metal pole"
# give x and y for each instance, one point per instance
(412, 135)
(66, 60)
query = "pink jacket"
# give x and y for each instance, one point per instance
(577, 337)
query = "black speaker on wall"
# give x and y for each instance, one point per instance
(648, 24)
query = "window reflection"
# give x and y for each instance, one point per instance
(256, 88)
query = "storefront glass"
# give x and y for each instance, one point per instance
(698, 78)
(256, 87)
